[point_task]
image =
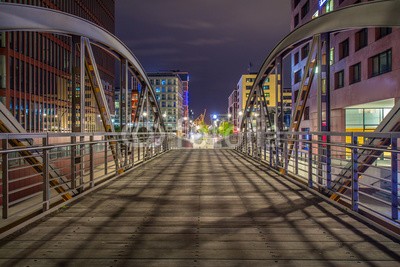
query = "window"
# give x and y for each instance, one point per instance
(304, 51)
(266, 87)
(297, 76)
(339, 79)
(248, 87)
(307, 113)
(2, 71)
(2, 39)
(355, 73)
(249, 80)
(382, 32)
(305, 8)
(332, 56)
(344, 49)
(267, 95)
(296, 3)
(329, 6)
(380, 63)
(296, 20)
(361, 39)
(296, 58)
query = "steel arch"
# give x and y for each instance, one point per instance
(383, 13)
(18, 17)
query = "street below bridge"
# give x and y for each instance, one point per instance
(200, 208)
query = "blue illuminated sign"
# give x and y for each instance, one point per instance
(322, 2)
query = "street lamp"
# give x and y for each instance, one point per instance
(240, 113)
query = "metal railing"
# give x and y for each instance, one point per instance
(41, 171)
(359, 170)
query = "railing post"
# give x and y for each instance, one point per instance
(309, 159)
(277, 144)
(265, 148)
(310, 162)
(395, 192)
(138, 150)
(117, 159)
(106, 144)
(328, 163)
(354, 182)
(5, 176)
(132, 143)
(271, 155)
(126, 145)
(296, 155)
(285, 152)
(45, 169)
(73, 163)
(91, 159)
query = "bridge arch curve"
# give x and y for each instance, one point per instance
(382, 13)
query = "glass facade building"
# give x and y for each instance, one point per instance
(35, 71)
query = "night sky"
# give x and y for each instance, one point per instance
(214, 40)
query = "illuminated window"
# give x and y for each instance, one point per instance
(329, 6)
(332, 56)
(316, 14)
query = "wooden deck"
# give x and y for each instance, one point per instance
(199, 208)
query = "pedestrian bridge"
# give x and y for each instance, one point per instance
(201, 207)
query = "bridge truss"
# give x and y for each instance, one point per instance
(263, 135)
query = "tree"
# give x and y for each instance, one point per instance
(203, 128)
(225, 128)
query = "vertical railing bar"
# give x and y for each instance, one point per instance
(46, 182)
(310, 162)
(354, 182)
(395, 185)
(5, 177)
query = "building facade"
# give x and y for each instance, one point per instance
(35, 71)
(233, 109)
(364, 77)
(169, 92)
(243, 89)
